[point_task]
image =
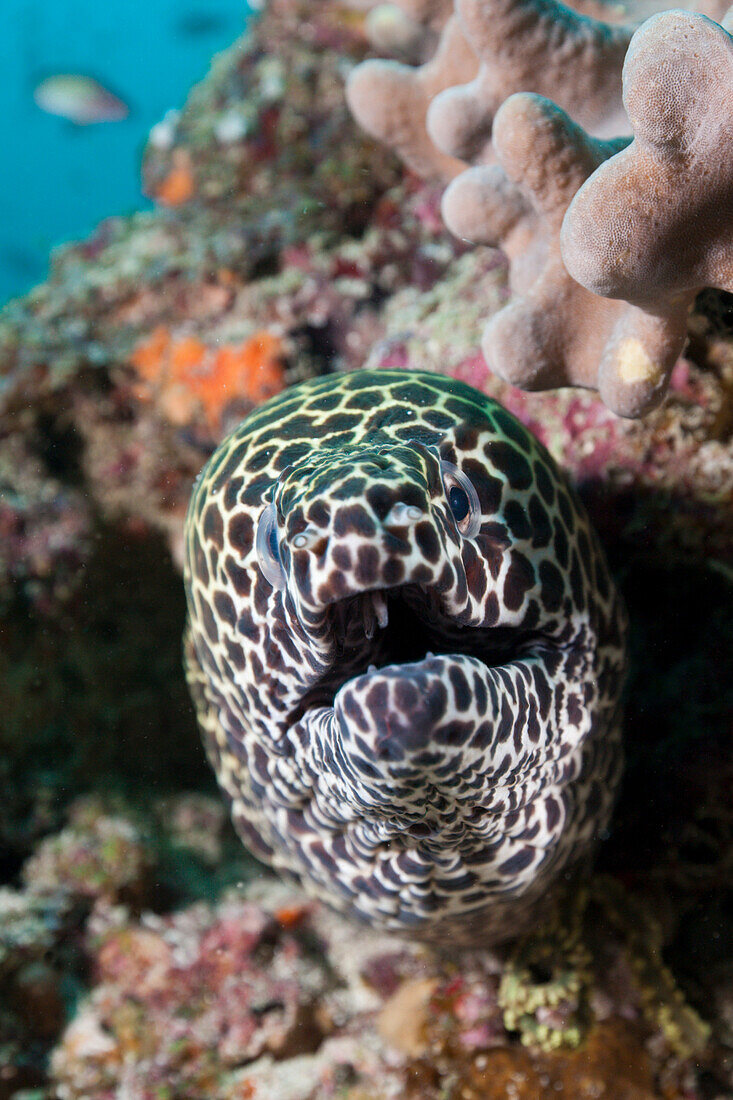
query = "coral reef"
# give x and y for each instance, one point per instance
(677, 168)
(194, 823)
(97, 855)
(122, 446)
(266, 133)
(267, 995)
(553, 332)
(46, 523)
(40, 967)
(390, 100)
(291, 171)
(110, 859)
(438, 122)
(97, 460)
(653, 486)
(407, 30)
(184, 1001)
(91, 690)
(525, 46)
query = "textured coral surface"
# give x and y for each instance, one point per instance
(605, 277)
(109, 404)
(262, 993)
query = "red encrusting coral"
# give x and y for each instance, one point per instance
(179, 185)
(185, 376)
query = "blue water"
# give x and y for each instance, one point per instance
(59, 180)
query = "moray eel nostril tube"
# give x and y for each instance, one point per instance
(405, 651)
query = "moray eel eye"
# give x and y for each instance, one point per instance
(459, 502)
(462, 499)
(267, 548)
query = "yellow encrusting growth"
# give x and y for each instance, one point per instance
(635, 364)
(545, 987)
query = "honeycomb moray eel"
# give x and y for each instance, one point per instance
(405, 651)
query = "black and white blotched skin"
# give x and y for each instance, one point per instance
(405, 651)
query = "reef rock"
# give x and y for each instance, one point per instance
(268, 995)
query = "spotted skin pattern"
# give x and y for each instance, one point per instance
(435, 774)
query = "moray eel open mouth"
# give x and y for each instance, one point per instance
(405, 650)
(399, 627)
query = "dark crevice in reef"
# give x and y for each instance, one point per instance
(95, 698)
(671, 835)
(717, 307)
(265, 266)
(672, 831)
(319, 345)
(679, 703)
(60, 448)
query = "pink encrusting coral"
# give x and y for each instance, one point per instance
(601, 291)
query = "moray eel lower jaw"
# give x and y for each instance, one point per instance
(396, 718)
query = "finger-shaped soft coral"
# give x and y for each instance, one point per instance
(438, 116)
(390, 100)
(655, 224)
(484, 206)
(531, 46)
(555, 332)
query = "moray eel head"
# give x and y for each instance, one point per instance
(405, 650)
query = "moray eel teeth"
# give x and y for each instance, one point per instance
(405, 651)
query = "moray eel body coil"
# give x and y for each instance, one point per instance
(405, 651)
